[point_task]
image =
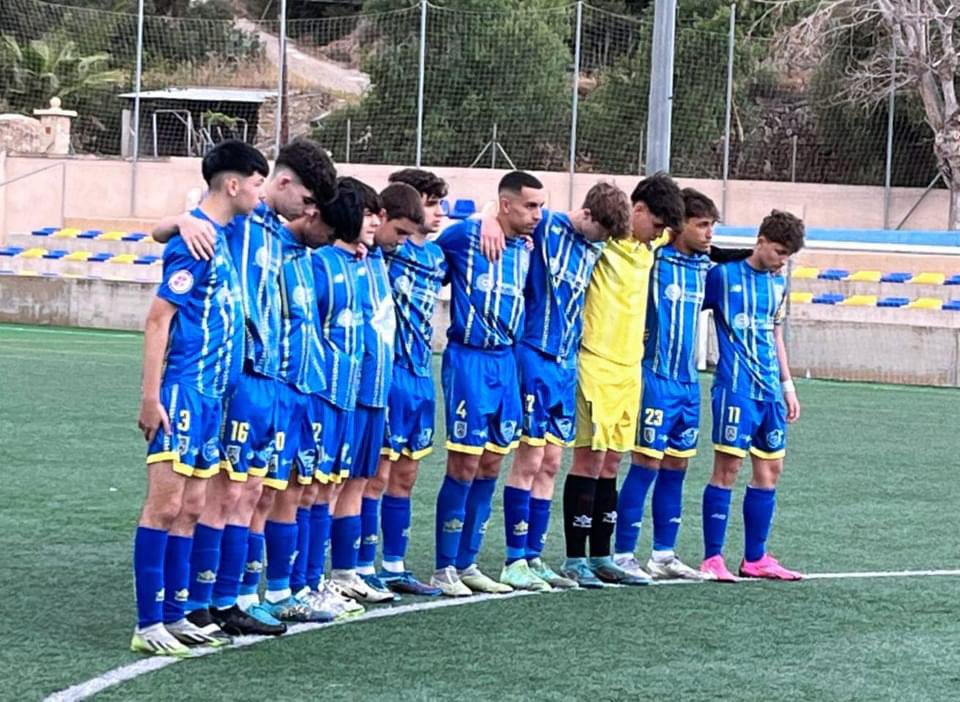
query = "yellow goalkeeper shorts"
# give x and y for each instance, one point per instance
(608, 402)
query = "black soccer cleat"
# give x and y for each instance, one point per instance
(236, 622)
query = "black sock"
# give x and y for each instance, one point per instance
(578, 494)
(604, 517)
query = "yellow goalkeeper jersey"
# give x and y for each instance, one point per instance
(615, 311)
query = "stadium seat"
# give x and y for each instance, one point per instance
(134, 236)
(928, 279)
(29, 274)
(66, 233)
(100, 257)
(865, 276)
(953, 280)
(123, 258)
(35, 252)
(828, 299)
(112, 236)
(89, 234)
(801, 298)
(860, 301)
(11, 250)
(893, 302)
(146, 260)
(56, 253)
(805, 272)
(44, 231)
(445, 207)
(953, 305)
(78, 256)
(462, 209)
(896, 277)
(927, 303)
(833, 274)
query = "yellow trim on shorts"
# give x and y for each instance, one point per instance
(557, 441)
(304, 480)
(776, 455)
(502, 450)
(171, 456)
(236, 476)
(205, 472)
(533, 441)
(258, 472)
(275, 484)
(463, 448)
(649, 452)
(389, 453)
(689, 453)
(730, 450)
(416, 455)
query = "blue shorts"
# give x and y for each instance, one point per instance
(482, 399)
(369, 427)
(548, 389)
(669, 422)
(249, 427)
(411, 415)
(742, 424)
(333, 435)
(193, 446)
(295, 449)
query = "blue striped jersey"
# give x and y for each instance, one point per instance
(300, 352)
(747, 304)
(486, 299)
(339, 322)
(417, 272)
(255, 244)
(677, 287)
(560, 268)
(205, 349)
(379, 330)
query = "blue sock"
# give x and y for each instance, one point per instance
(369, 531)
(176, 577)
(633, 495)
(298, 578)
(539, 524)
(395, 517)
(516, 522)
(479, 508)
(204, 563)
(716, 513)
(345, 542)
(319, 535)
(233, 554)
(253, 565)
(758, 508)
(149, 550)
(667, 507)
(281, 543)
(451, 512)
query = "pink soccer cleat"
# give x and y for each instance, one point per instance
(714, 568)
(768, 568)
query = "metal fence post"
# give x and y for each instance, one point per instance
(281, 78)
(420, 79)
(731, 40)
(661, 86)
(891, 106)
(576, 102)
(137, 82)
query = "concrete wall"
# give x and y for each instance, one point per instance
(73, 302)
(101, 189)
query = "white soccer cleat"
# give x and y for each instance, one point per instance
(156, 640)
(332, 592)
(673, 569)
(474, 579)
(631, 565)
(189, 634)
(353, 586)
(448, 582)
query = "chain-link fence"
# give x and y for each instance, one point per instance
(486, 87)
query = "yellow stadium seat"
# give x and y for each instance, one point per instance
(123, 258)
(928, 279)
(35, 252)
(927, 303)
(801, 298)
(78, 256)
(112, 236)
(29, 274)
(861, 301)
(865, 276)
(67, 233)
(805, 272)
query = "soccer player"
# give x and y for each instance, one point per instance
(193, 351)
(224, 549)
(608, 382)
(417, 270)
(753, 396)
(480, 381)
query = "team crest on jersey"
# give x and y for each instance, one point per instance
(233, 454)
(741, 321)
(211, 451)
(689, 436)
(649, 435)
(425, 438)
(183, 445)
(730, 434)
(403, 285)
(565, 426)
(459, 429)
(775, 438)
(484, 282)
(673, 292)
(508, 429)
(181, 282)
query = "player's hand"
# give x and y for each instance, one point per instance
(793, 406)
(492, 239)
(152, 417)
(199, 236)
(362, 251)
(528, 241)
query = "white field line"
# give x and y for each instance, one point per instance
(130, 671)
(72, 332)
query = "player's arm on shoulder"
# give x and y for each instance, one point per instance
(713, 289)
(718, 255)
(786, 381)
(198, 234)
(492, 238)
(155, 338)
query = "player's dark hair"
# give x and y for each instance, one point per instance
(609, 208)
(312, 165)
(515, 181)
(425, 182)
(662, 197)
(696, 205)
(344, 214)
(233, 156)
(402, 201)
(783, 228)
(369, 199)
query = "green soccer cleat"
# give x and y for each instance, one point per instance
(609, 572)
(549, 576)
(519, 576)
(155, 640)
(577, 570)
(478, 582)
(448, 583)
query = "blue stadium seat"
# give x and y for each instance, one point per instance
(134, 236)
(893, 302)
(896, 277)
(445, 207)
(10, 250)
(56, 253)
(833, 274)
(828, 299)
(953, 279)
(89, 234)
(463, 209)
(146, 260)
(45, 231)
(951, 305)
(100, 257)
